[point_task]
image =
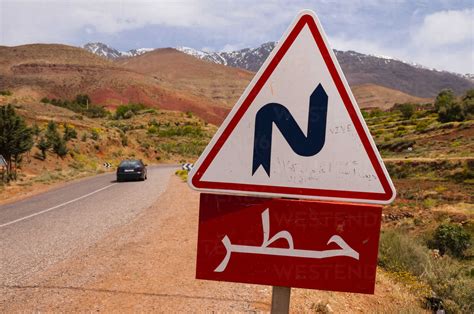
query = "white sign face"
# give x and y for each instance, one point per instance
(296, 131)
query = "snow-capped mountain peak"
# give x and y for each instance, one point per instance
(103, 50)
(108, 52)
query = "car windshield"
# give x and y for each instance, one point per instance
(129, 163)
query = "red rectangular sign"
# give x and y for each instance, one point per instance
(293, 243)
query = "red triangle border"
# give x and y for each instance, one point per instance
(388, 193)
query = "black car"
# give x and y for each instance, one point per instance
(131, 170)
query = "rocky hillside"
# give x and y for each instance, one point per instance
(359, 69)
(62, 72)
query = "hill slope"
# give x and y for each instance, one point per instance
(59, 71)
(216, 83)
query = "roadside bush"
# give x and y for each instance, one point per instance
(400, 253)
(450, 238)
(448, 279)
(183, 174)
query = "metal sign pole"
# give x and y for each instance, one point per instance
(280, 300)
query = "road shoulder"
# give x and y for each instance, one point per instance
(149, 264)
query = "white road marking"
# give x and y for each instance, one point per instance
(57, 206)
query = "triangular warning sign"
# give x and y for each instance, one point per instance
(296, 131)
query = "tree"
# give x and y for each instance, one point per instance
(52, 134)
(83, 100)
(445, 98)
(60, 148)
(468, 104)
(15, 138)
(43, 146)
(54, 140)
(407, 110)
(448, 108)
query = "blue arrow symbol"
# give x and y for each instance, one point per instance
(303, 145)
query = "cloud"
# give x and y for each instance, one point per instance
(435, 33)
(446, 28)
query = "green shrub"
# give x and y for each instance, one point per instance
(152, 129)
(450, 238)
(400, 253)
(422, 126)
(407, 110)
(448, 279)
(450, 109)
(183, 174)
(95, 134)
(69, 132)
(60, 148)
(127, 111)
(43, 146)
(187, 130)
(52, 134)
(5, 93)
(81, 104)
(94, 111)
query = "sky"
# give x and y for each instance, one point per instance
(436, 33)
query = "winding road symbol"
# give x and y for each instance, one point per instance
(303, 145)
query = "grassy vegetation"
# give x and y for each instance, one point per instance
(428, 274)
(183, 174)
(81, 104)
(5, 93)
(428, 232)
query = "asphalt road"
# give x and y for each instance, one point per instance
(44, 229)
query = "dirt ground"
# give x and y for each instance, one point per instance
(149, 265)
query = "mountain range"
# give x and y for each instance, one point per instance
(359, 68)
(167, 78)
